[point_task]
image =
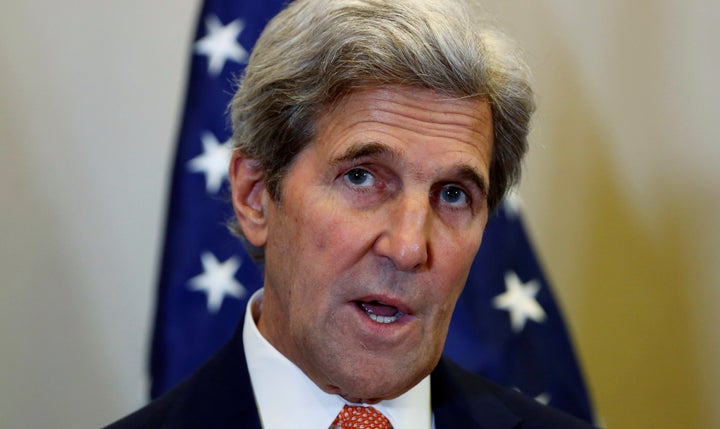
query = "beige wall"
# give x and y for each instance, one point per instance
(621, 196)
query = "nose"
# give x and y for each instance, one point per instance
(405, 237)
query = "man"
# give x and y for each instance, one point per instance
(373, 139)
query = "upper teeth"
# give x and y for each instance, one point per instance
(385, 319)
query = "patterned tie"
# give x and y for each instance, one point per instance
(354, 417)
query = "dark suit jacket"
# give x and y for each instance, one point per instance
(219, 395)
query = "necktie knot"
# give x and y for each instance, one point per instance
(357, 417)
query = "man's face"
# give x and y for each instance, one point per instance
(370, 245)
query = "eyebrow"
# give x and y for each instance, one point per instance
(466, 172)
(366, 150)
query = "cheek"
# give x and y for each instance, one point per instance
(337, 231)
(448, 296)
(302, 225)
(452, 267)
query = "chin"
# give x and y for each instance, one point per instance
(378, 385)
(373, 396)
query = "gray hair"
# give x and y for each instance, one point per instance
(315, 52)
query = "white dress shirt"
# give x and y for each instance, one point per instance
(286, 398)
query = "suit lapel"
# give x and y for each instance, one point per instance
(463, 400)
(220, 394)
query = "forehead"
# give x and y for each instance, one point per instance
(406, 118)
(419, 104)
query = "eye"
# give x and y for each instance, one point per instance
(454, 196)
(360, 177)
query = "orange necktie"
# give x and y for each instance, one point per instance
(355, 417)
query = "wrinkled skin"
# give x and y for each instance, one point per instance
(370, 245)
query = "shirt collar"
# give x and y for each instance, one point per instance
(286, 397)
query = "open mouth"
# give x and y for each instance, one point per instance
(379, 312)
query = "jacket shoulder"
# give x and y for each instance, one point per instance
(218, 395)
(158, 412)
(460, 394)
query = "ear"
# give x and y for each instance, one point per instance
(249, 198)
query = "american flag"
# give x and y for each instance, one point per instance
(506, 327)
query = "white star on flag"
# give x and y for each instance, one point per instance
(218, 280)
(220, 44)
(513, 203)
(543, 398)
(213, 162)
(519, 301)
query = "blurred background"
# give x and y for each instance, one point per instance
(621, 195)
